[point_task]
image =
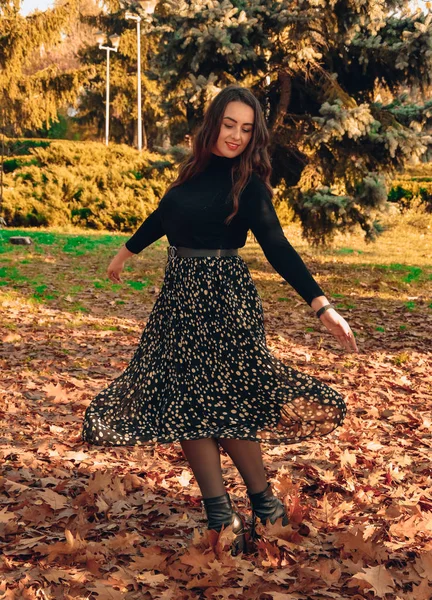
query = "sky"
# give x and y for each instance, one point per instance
(29, 6)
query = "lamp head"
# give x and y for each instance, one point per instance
(100, 37)
(147, 5)
(115, 40)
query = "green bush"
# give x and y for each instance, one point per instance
(114, 188)
(400, 195)
(13, 163)
(405, 195)
(22, 146)
(412, 187)
(86, 184)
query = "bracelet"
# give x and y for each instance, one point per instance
(322, 310)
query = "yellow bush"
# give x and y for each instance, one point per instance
(86, 184)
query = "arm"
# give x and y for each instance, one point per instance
(265, 225)
(149, 231)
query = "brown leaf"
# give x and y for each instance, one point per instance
(381, 581)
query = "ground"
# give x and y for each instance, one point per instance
(85, 522)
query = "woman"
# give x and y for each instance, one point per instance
(202, 373)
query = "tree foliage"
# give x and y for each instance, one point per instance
(344, 86)
(31, 94)
(317, 68)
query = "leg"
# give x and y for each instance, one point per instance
(247, 457)
(204, 458)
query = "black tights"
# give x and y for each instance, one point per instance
(203, 456)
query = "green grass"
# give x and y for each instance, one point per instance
(413, 273)
(60, 261)
(72, 266)
(40, 296)
(139, 285)
(345, 305)
(77, 244)
(81, 244)
(347, 251)
(12, 274)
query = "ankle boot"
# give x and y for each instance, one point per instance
(266, 506)
(219, 512)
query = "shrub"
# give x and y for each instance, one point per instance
(414, 187)
(86, 184)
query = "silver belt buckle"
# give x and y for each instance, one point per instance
(172, 251)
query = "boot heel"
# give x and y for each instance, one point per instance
(239, 543)
(220, 512)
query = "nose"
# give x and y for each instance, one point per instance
(235, 136)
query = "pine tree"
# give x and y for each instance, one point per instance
(316, 67)
(31, 95)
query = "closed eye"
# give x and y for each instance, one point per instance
(244, 131)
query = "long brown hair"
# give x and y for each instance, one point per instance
(255, 156)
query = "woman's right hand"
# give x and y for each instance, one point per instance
(114, 269)
(337, 325)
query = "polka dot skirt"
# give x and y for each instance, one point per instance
(202, 369)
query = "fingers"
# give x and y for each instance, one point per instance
(341, 330)
(344, 342)
(353, 343)
(114, 277)
(346, 339)
(349, 343)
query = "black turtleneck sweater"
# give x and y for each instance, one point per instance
(193, 214)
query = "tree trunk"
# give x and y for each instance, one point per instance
(284, 100)
(135, 134)
(144, 136)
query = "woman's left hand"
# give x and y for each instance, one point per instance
(339, 328)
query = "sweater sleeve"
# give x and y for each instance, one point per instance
(149, 231)
(265, 225)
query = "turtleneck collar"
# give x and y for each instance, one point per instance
(222, 163)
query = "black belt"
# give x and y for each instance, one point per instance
(184, 251)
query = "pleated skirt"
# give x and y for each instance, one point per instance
(202, 368)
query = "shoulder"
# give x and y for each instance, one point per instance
(255, 181)
(256, 189)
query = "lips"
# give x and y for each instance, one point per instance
(232, 146)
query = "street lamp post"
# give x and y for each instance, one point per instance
(137, 18)
(115, 40)
(148, 6)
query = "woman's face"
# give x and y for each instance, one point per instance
(236, 129)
